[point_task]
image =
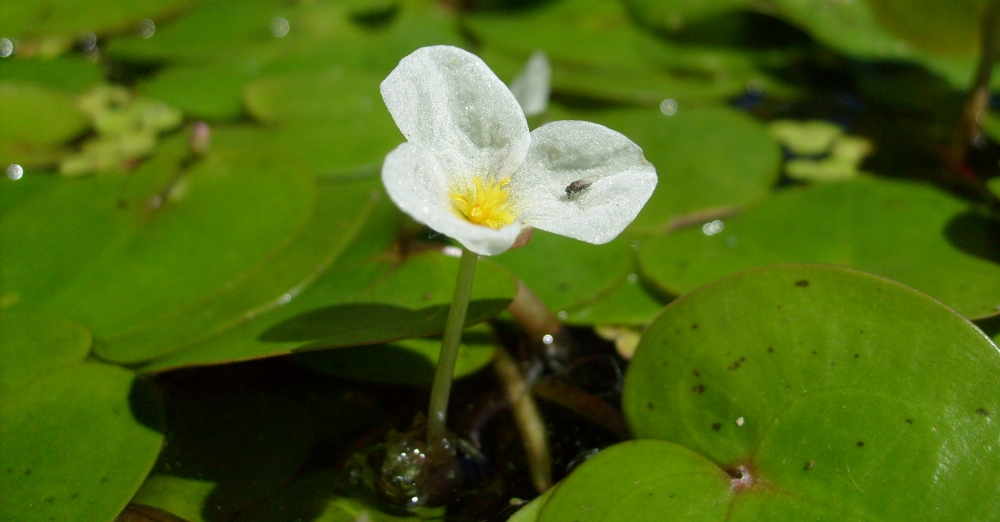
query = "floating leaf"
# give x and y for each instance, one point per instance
(212, 91)
(640, 481)
(628, 302)
(71, 74)
(810, 404)
(903, 230)
(565, 272)
(357, 302)
(946, 28)
(408, 362)
(361, 264)
(34, 345)
(54, 18)
(341, 209)
(37, 115)
(77, 443)
(675, 14)
(116, 266)
(594, 43)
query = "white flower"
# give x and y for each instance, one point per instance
(471, 170)
(532, 85)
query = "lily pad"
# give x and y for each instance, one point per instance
(675, 14)
(361, 264)
(628, 302)
(309, 96)
(945, 28)
(204, 473)
(34, 345)
(594, 43)
(830, 398)
(215, 30)
(115, 266)
(638, 481)
(54, 18)
(212, 91)
(857, 28)
(564, 272)
(77, 443)
(408, 362)
(36, 115)
(357, 302)
(707, 159)
(330, 147)
(341, 210)
(71, 74)
(906, 231)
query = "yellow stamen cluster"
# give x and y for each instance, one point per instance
(485, 204)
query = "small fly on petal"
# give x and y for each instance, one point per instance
(579, 186)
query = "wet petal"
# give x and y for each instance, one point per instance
(417, 185)
(450, 103)
(616, 181)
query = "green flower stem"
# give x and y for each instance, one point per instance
(437, 412)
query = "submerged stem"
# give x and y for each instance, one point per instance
(437, 412)
(977, 99)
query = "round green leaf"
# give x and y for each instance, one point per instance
(70, 20)
(706, 159)
(70, 74)
(14, 193)
(226, 447)
(628, 302)
(76, 444)
(341, 210)
(357, 302)
(36, 115)
(358, 266)
(564, 272)
(638, 481)
(854, 28)
(213, 91)
(408, 362)
(115, 265)
(906, 231)
(410, 301)
(946, 28)
(334, 93)
(675, 14)
(331, 147)
(594, 43)
(827, 394)
(33, 345)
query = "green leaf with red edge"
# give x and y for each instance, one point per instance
(801, 392)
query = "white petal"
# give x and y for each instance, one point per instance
(449, 102)
(418, 186)
(531, 87)
(621, 180)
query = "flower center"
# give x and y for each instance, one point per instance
(485, 203)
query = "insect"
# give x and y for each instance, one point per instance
(579, 186)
